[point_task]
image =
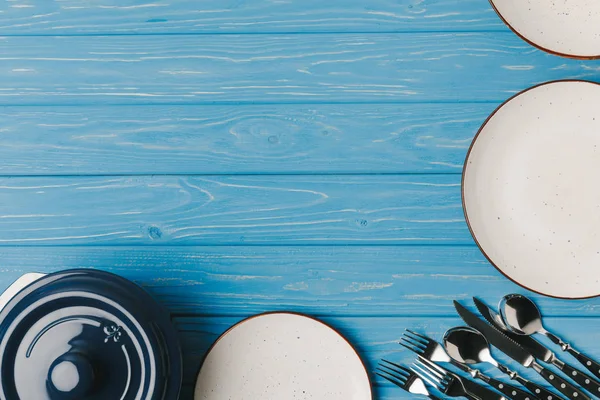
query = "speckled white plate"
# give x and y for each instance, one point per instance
(282, 356)
(531, 189)
(569, 28)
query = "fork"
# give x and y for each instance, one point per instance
(404, 378)
(433, 351)
(446, 382)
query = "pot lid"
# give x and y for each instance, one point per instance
(87, 334)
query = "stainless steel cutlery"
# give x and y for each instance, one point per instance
(404, 378)
(508, 330)
(523, 317)
(509, 347)
(539, 351)
(471, 343)
(433, 351)
(473, 349)
(446, 382)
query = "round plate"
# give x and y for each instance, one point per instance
(530, 189)
(282, 356)
(536, 21)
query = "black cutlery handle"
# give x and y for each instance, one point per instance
(540, 391)
(584, 380)
(566, 388)
(591, 365)
(510, 391)
(474, 387)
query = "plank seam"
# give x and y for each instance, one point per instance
(500, 29)
(241, 174)
(257, 103)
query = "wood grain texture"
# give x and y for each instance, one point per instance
(233, 16)
(232, 210)
(390, 281)
(239, 69)
(234, 157)
(252, 139)
(164, 270)
(374, 344)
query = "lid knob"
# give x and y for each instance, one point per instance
(71, 376)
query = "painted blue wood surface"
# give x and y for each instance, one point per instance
(212, 210)
(247, 16)
(360, 281)
(293, 68)
(236, 156)
(231, 139)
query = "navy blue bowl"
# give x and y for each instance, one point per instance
(87, 334)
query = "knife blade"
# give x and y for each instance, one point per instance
(518, 353)
(495, 337)
(538, 350)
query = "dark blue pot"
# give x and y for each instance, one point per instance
(87, 334)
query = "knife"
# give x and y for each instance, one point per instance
(538, 390)
(538, 350)
(519, 354)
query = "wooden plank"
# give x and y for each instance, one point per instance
(275, 68)
(232, 210)
(238, 139)
(381, 393)
(356, 280)
(376, 338)
(233, 16)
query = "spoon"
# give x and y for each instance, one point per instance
(522, 316)
(469, 346)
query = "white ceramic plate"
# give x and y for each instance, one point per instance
(282, 356)
(531, 189)
(565, 27)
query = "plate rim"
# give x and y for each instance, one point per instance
(294, 313)
(462, 186)
(538, 46)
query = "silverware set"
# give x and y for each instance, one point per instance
(509, 330)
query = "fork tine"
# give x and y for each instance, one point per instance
(421, 336)
(413, 346)
(414, 350)
(390, 379)
(423, 374)
(429, 369)
(415, 337)
(400, 373)
(434, 366)
(397, 369)
(394, 374)
(400, 367)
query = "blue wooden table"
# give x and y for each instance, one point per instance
(241, 156)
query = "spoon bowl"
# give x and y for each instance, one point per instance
(467, 346)
(521, 315)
